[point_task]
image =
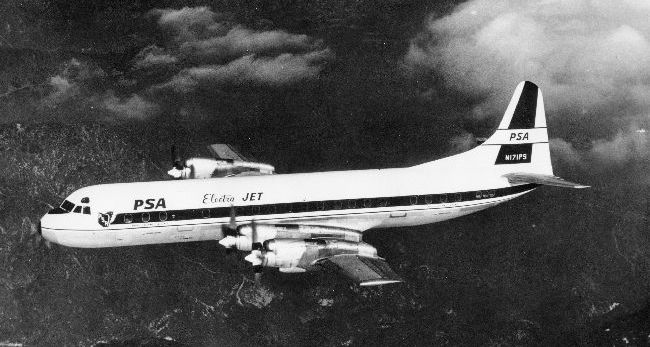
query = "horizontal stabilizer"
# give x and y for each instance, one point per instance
(547, 180)
(367, 271)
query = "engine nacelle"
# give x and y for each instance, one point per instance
(208, 168)
(244, 241)
(294, 253)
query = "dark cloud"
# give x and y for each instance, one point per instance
(153, 56)
(200, 48)
(214, 51)
(238, 41)
(131, 107)
(189, 23)
(280, 70)
(72, 81)
(591, 59)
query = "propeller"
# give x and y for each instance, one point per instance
(177, 161)
(229, 229)
(178, 164)
(257, 271)
(256, 245)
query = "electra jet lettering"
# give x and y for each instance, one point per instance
(305, 221)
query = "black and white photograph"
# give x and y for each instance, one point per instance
(324, 173)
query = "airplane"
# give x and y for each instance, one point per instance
(308, 221)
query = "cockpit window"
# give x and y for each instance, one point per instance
(77, 209)
(85, 200)
(86, 210)
(67, 205)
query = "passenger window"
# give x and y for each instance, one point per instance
(478, 194)
(382, 202)
(128, 218)
(413, 199)
(352, 204)
(77, 209)
(319, 205)
(145, 217)
(428, 199)
(458, 197)
(367, 203)
(338, 205)
(86, 210)
(443, 198)
(162, 216)
(485, 194)
(284, 208)
(491, 193)
(256, 209)
(205, 213)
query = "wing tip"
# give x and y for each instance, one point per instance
(378, 282)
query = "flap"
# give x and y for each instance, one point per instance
(367, 271)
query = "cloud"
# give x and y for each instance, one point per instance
(627, 146)
(188, 23)
(62, 88)
(153, 56)
(72, 81)
(281, 70)
(132, 107)
(199, 50)
(209, 49)
(591, 59)
(241, 41)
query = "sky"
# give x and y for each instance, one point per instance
(455, 65)
(591, 59)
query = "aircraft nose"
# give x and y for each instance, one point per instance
(45, 230)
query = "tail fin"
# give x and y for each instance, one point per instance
(518, 148)
(521, 138)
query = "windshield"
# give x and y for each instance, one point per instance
(67, 205)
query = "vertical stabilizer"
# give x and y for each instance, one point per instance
(520, 143)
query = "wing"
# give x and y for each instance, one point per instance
(227, 152)
(367, 271)
(547, 180)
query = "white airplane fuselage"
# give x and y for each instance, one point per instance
(127, 214)
(300, 222)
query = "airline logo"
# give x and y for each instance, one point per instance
(519, 136)
(149, 204)
(514, 154)
(104, 219)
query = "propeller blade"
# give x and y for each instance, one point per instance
(254, 240)
(177, 161)
(258, 274)
(233, 215)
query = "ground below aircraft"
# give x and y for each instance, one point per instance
(305, 221)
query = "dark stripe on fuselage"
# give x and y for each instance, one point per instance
(317, 206)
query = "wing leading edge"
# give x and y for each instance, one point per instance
(367, 271)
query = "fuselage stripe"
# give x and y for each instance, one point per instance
(317, 206)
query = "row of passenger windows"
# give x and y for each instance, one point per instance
(298, 207)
